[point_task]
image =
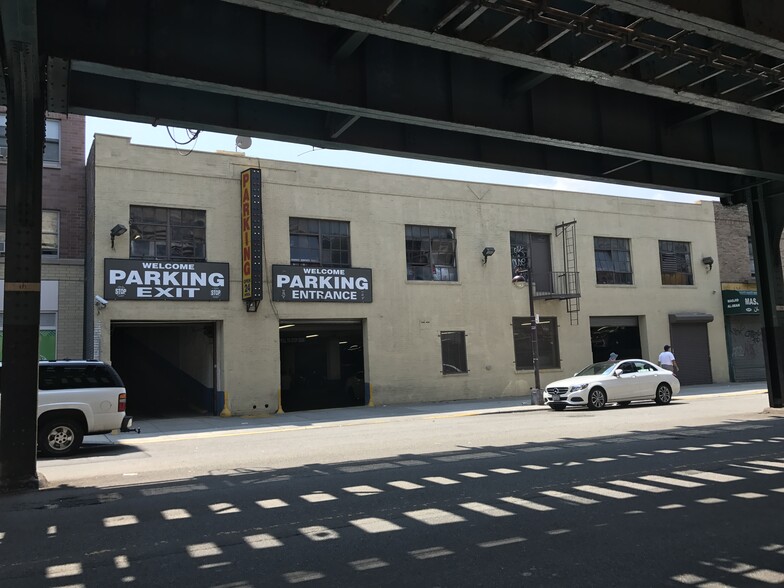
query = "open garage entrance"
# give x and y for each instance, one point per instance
(322, 364)
(168, 368)
(615, 334)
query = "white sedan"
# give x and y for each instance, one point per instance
(621, 382)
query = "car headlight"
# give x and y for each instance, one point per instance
(578, 387)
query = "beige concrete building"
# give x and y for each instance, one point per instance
(378, 288)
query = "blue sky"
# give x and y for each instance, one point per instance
(145, 134)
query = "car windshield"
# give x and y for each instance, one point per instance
(596, 369)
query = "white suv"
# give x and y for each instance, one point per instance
(77, 398)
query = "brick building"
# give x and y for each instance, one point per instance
(742, 320)
(63, 234)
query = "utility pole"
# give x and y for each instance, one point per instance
(520, 276)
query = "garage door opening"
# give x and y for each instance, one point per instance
(322, 365)
(615, 334)
(168, 368)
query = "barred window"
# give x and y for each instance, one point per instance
(168, 233)
(315, 242)
(546, 339)
(453, 352)
(613, 260)
(431, 253)
(675, 259)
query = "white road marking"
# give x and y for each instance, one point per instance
(52, 530)
(609, 493)
(375, 525)
(639, 486)
(403, 485)
(121, 562)
(717, 445)
(671, 506)
(569, 497)
(505, 471)
(750, 495)
(486, 509)
(527, 503)
(710, 500)
(535, 467)
(302, 576)
(768, 576)
(672, 481)
(431, 552)
(362, 565)
(774, 464)
(601, 459)
(434, 516)
(667, 451)
(262, 541)
(692, 448)
(473, 475)
(741, 442)
(64, 570)
(500, 542)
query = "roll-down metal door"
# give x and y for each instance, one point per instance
(691, 350)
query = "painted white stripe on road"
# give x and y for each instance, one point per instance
(64, 570)
(430, 552)
(203, 550)
(710, 500)
(473, 475)
(375, 525)
(363, 490)
(672, 481)
(605, 492)
(362, 565)
(601, 459)
(272, 503)
(569, 497)
(527, 503)
(500, 542)
(773, 464)
(692, 449)
(750, 495)
(718, 445)
(120, 521)
(535, 467)
(222, 508)
(639, 486)
(486, 509)
(505, 471)
(302, 576)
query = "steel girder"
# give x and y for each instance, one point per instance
(420, 98)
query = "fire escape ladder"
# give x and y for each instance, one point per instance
(568, 233)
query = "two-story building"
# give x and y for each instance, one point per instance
(248, 286)
(62, 237)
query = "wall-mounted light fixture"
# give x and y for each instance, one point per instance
(116, 231)
(487, 252)
(708, 261)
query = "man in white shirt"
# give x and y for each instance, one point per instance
(667, 360)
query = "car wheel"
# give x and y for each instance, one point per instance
(625, 403)
(557, 406)
(596, 399)
(663, 394)
(59, 437)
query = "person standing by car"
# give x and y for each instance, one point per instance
(667, 360)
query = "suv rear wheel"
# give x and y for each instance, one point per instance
(58, 437)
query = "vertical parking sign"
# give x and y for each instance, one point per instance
(251, 238)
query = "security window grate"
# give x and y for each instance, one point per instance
(453, 352)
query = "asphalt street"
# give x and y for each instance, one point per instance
(685, 495)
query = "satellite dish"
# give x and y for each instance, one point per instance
(242, 142)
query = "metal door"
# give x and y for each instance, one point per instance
(692, 352)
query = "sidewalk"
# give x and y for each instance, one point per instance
(158, 427)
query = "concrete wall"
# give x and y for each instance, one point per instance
(403, 355)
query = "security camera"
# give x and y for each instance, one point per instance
(100, 301)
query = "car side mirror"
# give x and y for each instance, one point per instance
(618, 373)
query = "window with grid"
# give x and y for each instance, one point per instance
(675, 259)
(168, 233)
(431, 253)
(315, 242)
(546, 339)
(51, 140)
(453, 352)
(613, 260)
(50, 232)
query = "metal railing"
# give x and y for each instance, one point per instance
(558, 285)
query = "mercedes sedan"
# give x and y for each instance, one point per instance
(621, 382)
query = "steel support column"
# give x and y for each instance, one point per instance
(766, 216)
(25, 133)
